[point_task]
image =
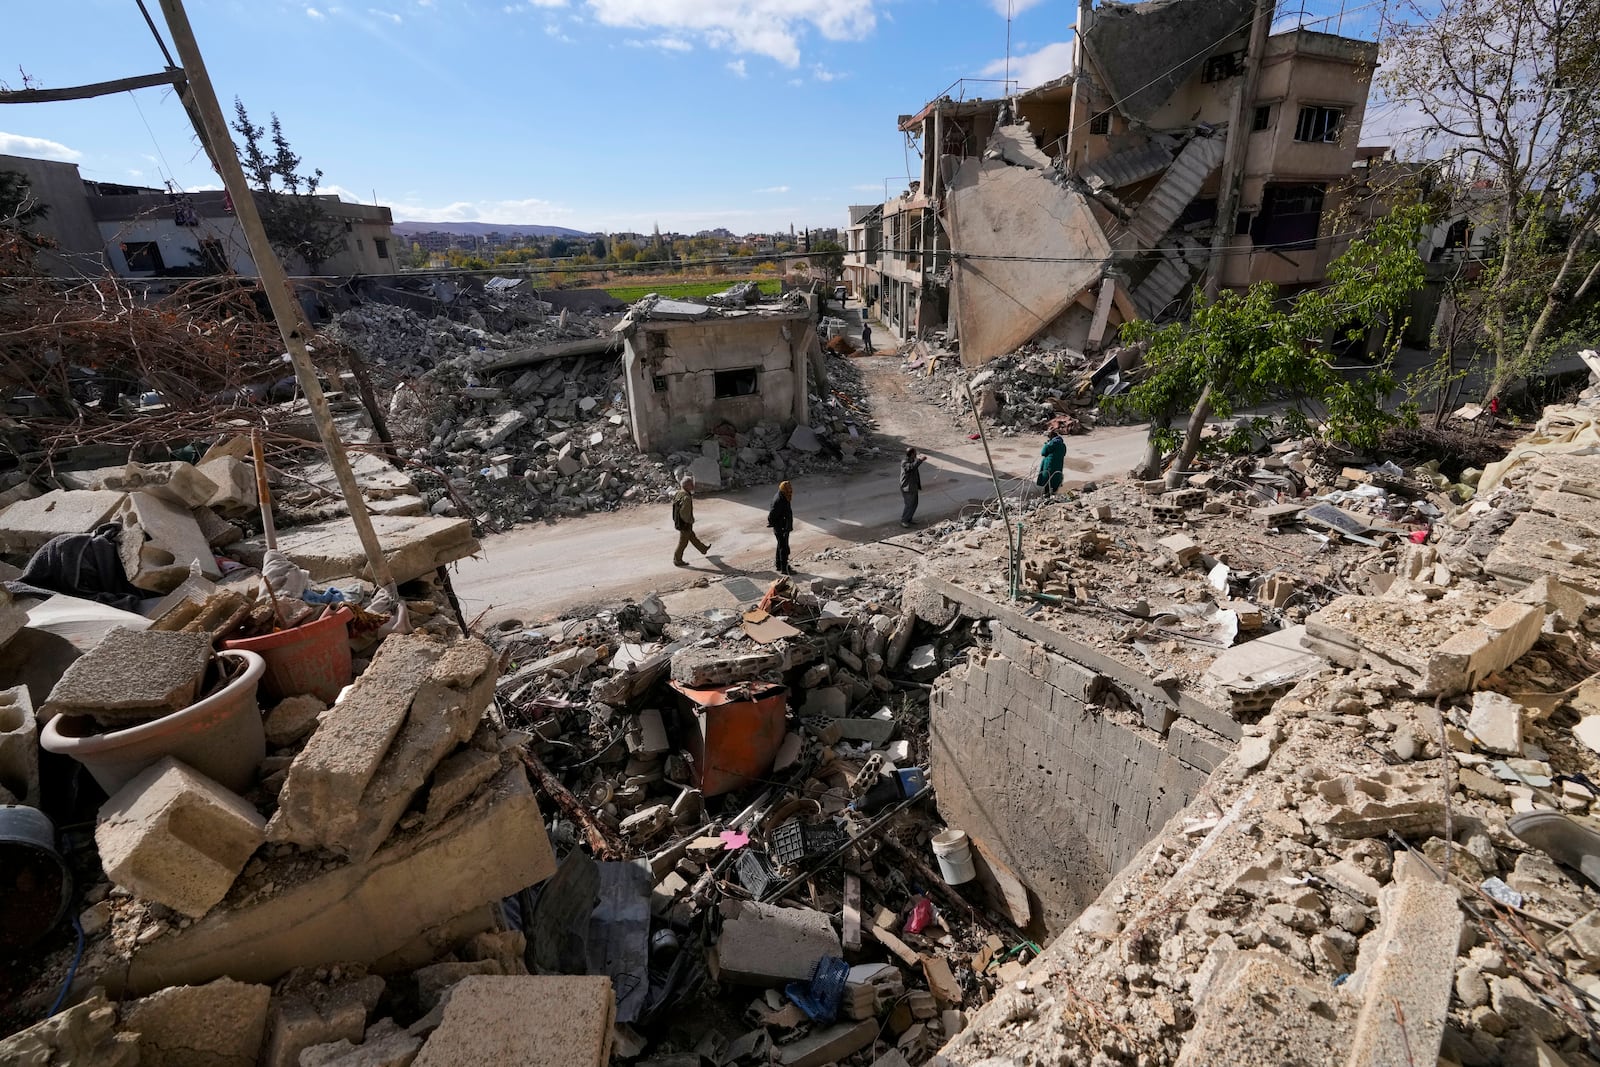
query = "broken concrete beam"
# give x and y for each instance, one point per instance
(545, 1021)
(705, 667)
(174, 481)
(764, 944)
(1406, 974)
(219, 1024)
(84, 1035)
(1498, 640)
(321, 797)
(160, 541)
(416, 886)
(132, 676)
(27, 524)
(445, 712)
(19, 746)
(413, 545)
(173, 836)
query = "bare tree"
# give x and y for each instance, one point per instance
(296, 222)
(1508, 91)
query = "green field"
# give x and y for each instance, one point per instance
(684, 291)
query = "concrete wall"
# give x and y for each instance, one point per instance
(68, 221)
(1049, 783)
(689, 409)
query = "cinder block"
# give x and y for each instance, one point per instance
(1075, 679)
(546, 1021)
(19, 746)
(175, 837)
(160, 541)
(235, 483)
(763, 943)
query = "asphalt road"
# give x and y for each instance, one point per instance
(539, 572)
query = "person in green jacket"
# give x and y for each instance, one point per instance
(1054, 455)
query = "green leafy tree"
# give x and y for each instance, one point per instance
(828, 257)
(1248, 348)
(297, 223)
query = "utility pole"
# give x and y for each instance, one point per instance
(1237, 150)
(213, 130)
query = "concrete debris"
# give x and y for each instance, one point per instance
(83, 1035)
(132, 676)
(528, 1020)
(221, 1023)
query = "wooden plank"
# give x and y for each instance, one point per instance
(897, 946)
(171, 76)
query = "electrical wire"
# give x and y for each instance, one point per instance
(72, 972)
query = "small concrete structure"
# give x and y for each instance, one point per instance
(549, 1021)
(177, 838)
(690, 368)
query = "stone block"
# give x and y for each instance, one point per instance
(546, 1021)
(321, 797)
(292, 719)
(176, 482)
(706, 472)
(417, 885)
(235, 481)
(84, 1035)
(308, 1014)
(1181, 547)
(1196, 746)
(413, 545)
(1498, 640)
(175, 837)
(444, 713)
(1496, 723)
(219, 1024)
(27, 524)
(1406, 974)
(764, 944)
(19, 746)
(160, 541)
(132, 676)
(386, 1044)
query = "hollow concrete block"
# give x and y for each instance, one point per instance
(19, 746)
(173, 836)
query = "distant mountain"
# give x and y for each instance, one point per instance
(478, 229)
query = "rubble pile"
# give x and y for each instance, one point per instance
(533, 424)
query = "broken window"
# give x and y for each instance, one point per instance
(1263, 118)
(1221, 68)
(381, 246)
(732, 383)
(659, 382)
(1289, 217)
(1100, 123)
(142, 256)
(1318, 124)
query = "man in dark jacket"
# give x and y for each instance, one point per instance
(910, 485)
(781, 518)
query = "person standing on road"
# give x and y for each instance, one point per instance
(781, 518)
(1055, 456)
(683, 522)
(866, 334)
(910, 484)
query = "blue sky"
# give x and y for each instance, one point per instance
(594, 114)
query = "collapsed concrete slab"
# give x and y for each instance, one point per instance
(374, 750)
(173, 836)
(132, 676)
(219, 1024)
(535, 1021)
(413, 545)
(297, 914)
(27, 524)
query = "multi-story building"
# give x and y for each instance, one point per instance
(1107, 194)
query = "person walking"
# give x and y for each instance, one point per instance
(1055, 455)
(910, 484)
(781, 518)
(866, 334)
(683, 522)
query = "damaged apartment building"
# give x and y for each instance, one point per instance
(1101, 197)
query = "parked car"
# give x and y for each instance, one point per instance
(840, 293)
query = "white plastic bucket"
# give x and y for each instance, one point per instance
(955, 856)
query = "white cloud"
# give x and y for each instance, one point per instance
(823, 74)
(532, 211)
(382, 14)
(1035, 68)
(737, 66)
(774, 189)
(313, 13)
(17, 144)
(770, 28)
(1014, 7)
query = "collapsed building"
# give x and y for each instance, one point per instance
(1100, 197)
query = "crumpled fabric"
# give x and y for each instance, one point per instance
(86, 565)
(286, 577)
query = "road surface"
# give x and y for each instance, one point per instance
(536, 573)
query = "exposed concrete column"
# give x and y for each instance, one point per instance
(1102, 311)
(1085, 14)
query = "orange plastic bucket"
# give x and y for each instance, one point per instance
(311, 658)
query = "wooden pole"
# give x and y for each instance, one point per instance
(213, 130)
